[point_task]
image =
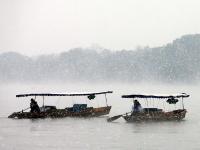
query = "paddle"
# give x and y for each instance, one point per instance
(116, 117)
(23, 110)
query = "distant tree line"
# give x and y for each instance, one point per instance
(178, 61)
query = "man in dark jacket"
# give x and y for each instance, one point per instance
(137, 106)
(34, 106)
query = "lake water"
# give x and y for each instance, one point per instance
(96, 133)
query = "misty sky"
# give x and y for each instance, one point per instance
(35, 27)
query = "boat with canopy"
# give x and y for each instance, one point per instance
(152, 110)
(77, 110)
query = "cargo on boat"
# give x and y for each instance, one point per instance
(77, 110)
(152, 110)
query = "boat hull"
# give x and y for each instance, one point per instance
(175, 115)
(61, 113)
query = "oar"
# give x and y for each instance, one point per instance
(23, 110)
(116, 117)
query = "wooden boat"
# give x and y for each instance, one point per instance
(77, 110)
(152, 113)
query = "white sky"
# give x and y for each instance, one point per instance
(35, 27)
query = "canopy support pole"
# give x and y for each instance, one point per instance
(147, 105)
(106, 100)
(43, 102)
(182, 103)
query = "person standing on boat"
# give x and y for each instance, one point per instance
(34, 106)
(136, 106)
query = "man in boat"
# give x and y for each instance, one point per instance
(34, 106)
(136, 106)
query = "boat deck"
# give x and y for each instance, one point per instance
(156, 116)
(61, 113)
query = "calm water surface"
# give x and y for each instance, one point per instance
(96, 133)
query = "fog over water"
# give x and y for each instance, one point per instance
(96, 133)
(132, 46)
(172, 68)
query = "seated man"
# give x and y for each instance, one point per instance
(136, 106)
(34, 106)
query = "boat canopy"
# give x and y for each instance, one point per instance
(182, 95)
(63, 94)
